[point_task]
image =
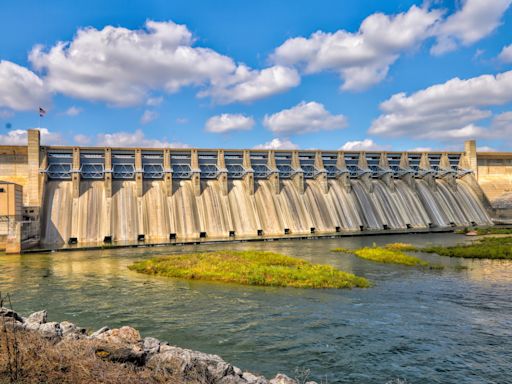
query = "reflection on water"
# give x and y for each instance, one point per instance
(450, 326)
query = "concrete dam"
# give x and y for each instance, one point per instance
(92, 195)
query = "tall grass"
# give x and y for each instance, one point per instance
(384, 255)
(250, 268)
(485, 248)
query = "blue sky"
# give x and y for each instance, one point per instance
(238, 74)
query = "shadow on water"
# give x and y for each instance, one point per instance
(449, 326)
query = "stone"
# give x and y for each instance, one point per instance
(191, 365)
(123, 335)
(282, 379)
(151, 345)
(50, 330)
(253, 379)
(70, 330)
(120, 355)
(238, 371)
(6, 312)
(39, 317)
(99, 332)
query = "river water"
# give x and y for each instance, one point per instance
(425, 326)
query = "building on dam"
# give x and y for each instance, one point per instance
(57, 196)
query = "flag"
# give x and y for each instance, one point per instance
(42, 112)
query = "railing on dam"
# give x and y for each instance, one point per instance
(95, 163)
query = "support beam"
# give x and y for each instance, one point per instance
(444, 164)
(298, 177)
(321, 176)
(223, 172)
(196, 172)
(274, 176)
(404, 164)
(167, 171)
(34, 141)
(344, 178)
(471, 156)
(108, 193)
(425, 165)
(388, 176)
(248, 178)
(139, 173)
(366, 178)
(75, 180)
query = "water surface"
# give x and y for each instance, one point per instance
(427, 326)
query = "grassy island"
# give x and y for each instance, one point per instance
(385, 255)
(485, 248)
(250, 268)
(487, 231)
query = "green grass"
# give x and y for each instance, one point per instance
(404, 247)
(487, 231)
(485, 248)
(250, 268)
(385, 255)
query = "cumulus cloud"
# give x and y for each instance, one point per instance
(247, 85)
(19, 137)
(304, 118)
(154, 101)
(229, 122)
(506, 54)
(73, 111)
(361, 58)
(447, 111)
(20, 88)
(277, 144)
(133, 139)
(122, 67)
(81, 139)
(363, 145)
(474, 21)
(485, 148)
(148, 116)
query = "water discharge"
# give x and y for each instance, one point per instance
(156, 214)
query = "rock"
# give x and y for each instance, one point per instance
(282, 379)
(70, 330)
(151, 345)
(238, 371)
(50, 330)
(6, 312)
(123, 335)
(253, 379)
(472, 233)
(99, 332)
(39, 317)
(191, 365)
(121, 355)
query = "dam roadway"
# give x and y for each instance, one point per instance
(83, 196)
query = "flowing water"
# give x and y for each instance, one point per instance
(426, 326)
(92, 216)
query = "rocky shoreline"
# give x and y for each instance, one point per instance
(126, 346)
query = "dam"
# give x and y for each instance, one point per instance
(92, 195)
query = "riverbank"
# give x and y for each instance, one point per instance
(33, 350)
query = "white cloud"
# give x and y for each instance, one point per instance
(247, 85)
(73, 111)
(474, 21)
(19, 137)
(181, 120)
(133, 139)
(304, 118)
(148, 116)
(277, 144)
(229, 122)
(361, 58)
(420, 149)
(123, 67)
(445, 111)
(81, 139)
(6, 114)
(506, 54)
(20, 88)
(363, 145)
(485, 148)
(154, 101)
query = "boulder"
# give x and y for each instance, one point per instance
(50, 330)
(121, 355)
(123, 335)
(192, 365)
(39, 317)
(282, 379)
(70, 330)
(253, 379)
(99, 332)
(151, 345)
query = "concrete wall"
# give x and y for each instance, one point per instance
(14, 166)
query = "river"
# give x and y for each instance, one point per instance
(425, 326)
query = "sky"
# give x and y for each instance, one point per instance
(323, 74)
